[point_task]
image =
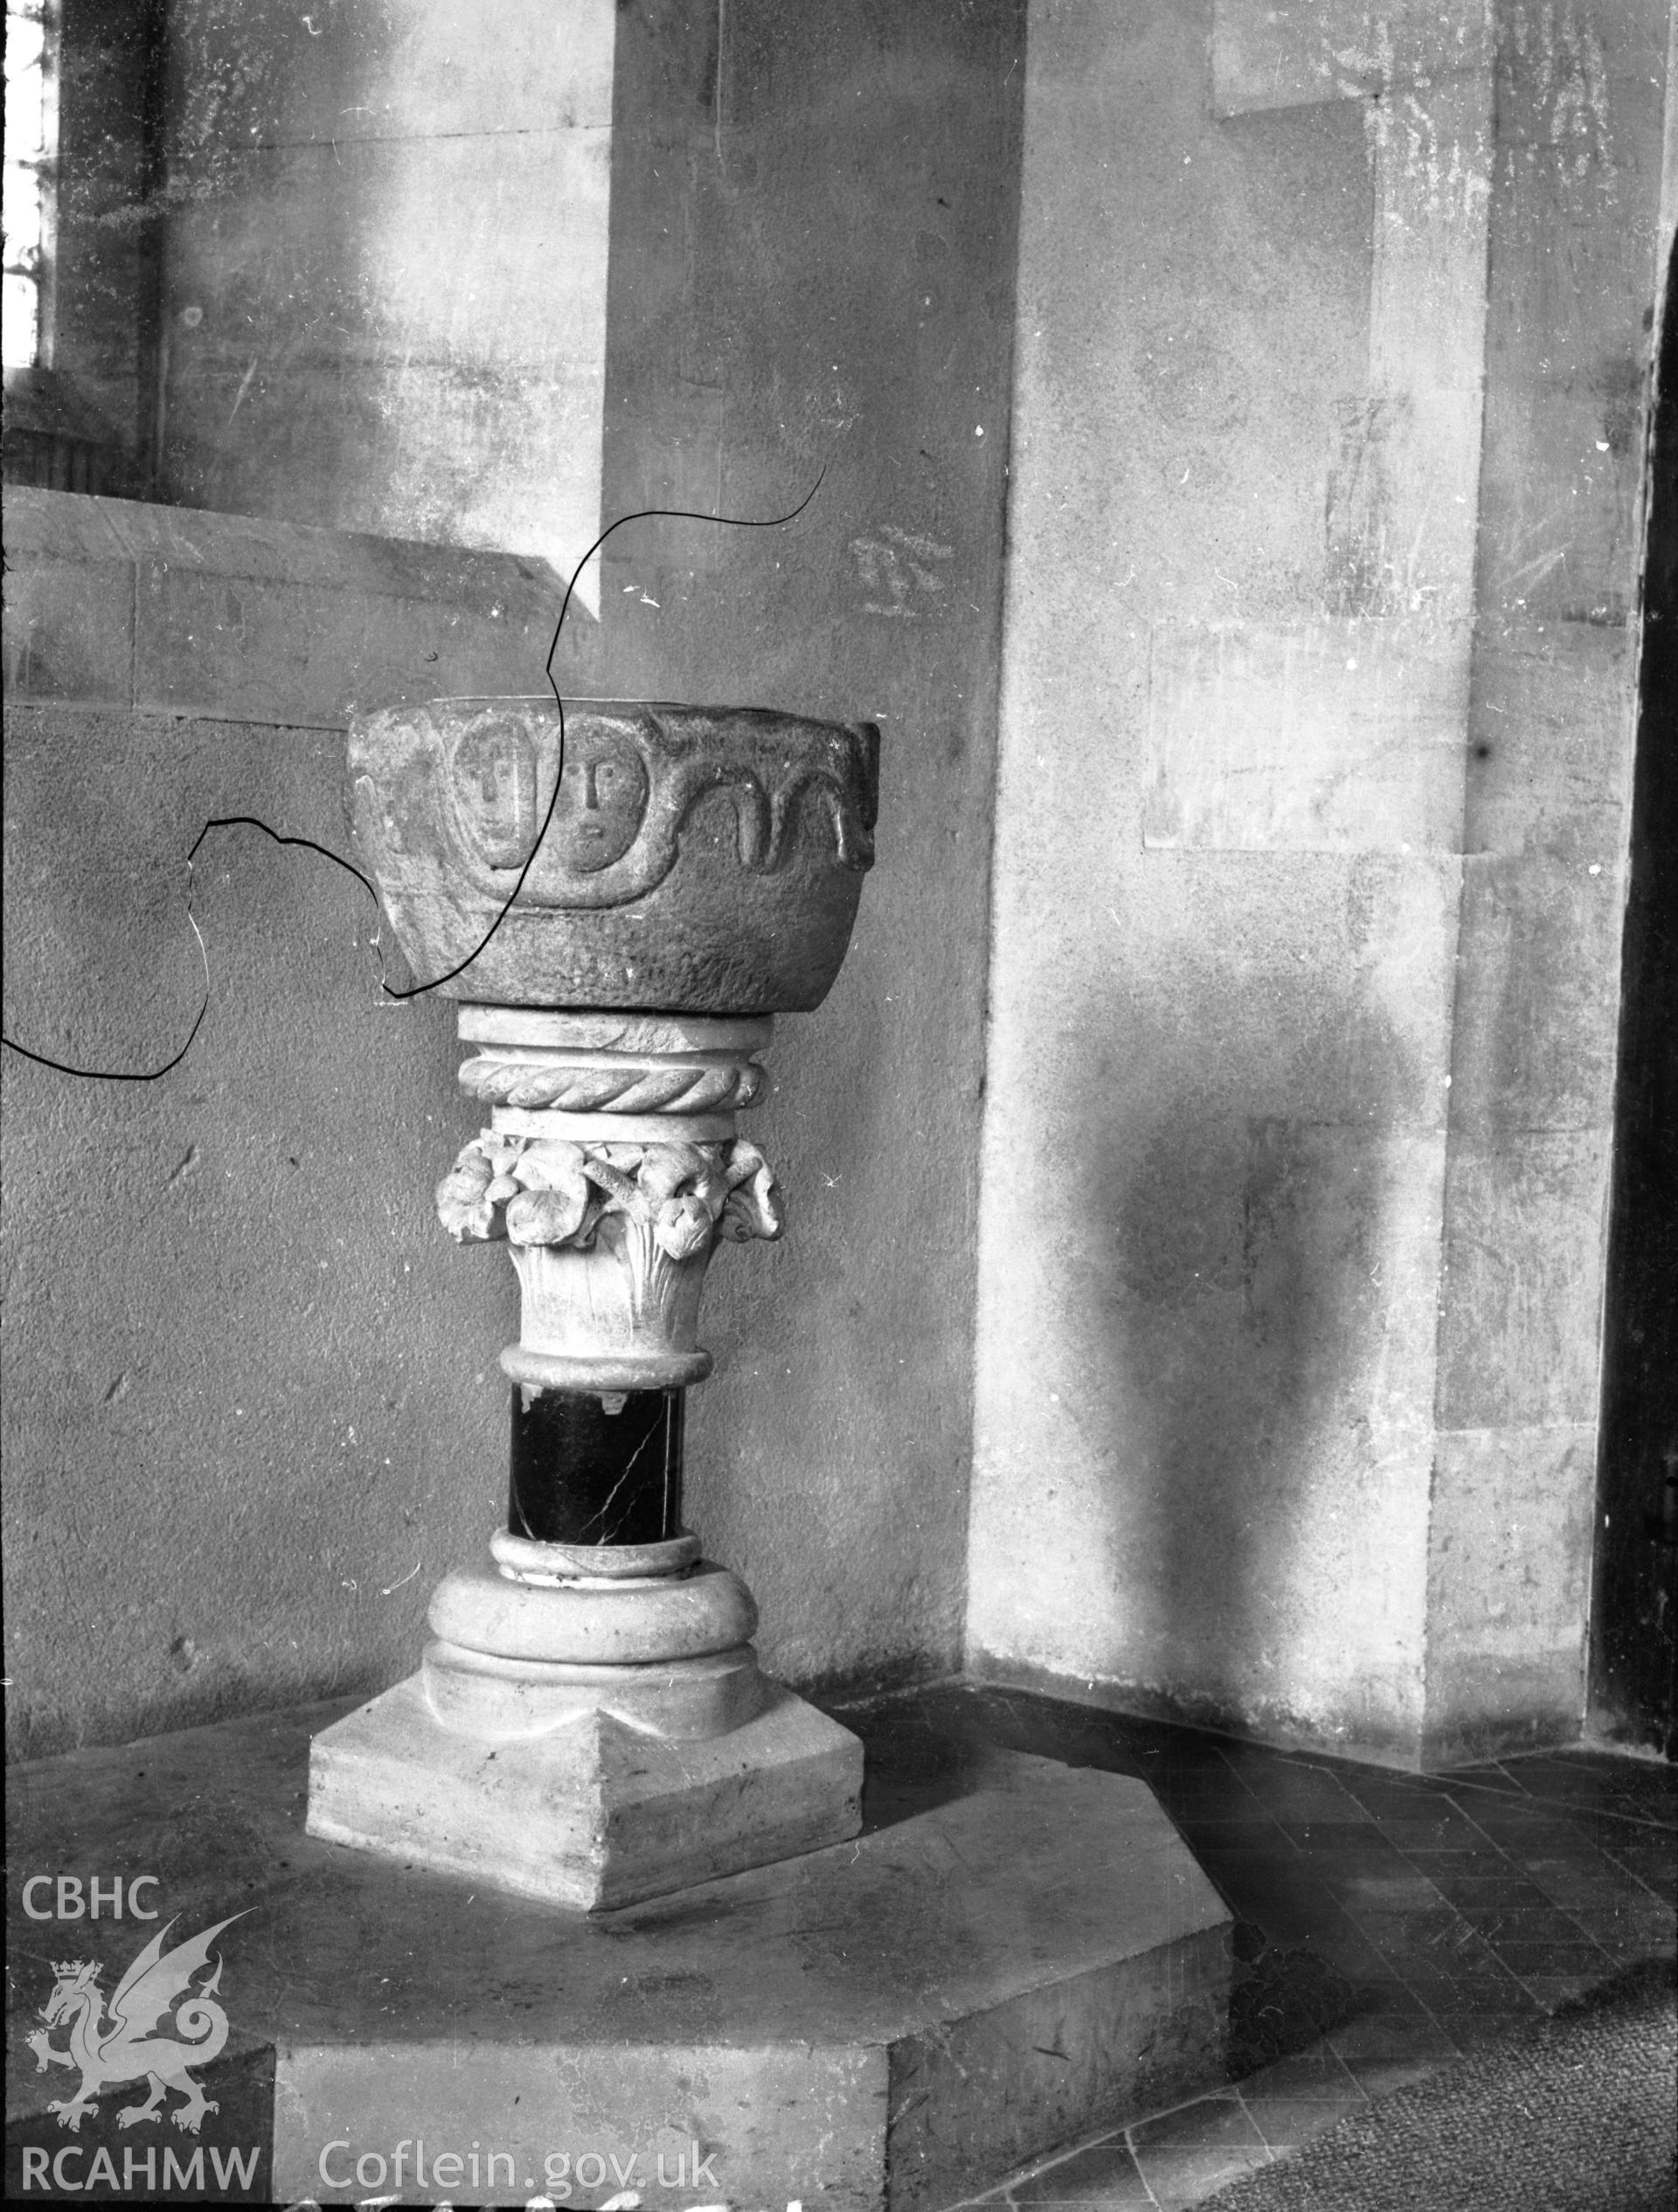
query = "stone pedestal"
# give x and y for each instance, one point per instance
(589, 1723)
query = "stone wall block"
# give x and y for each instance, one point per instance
(1266, 56)
(448, 383)
(1397, 544)
(1567, 74)
(1550, 742)
(386, 268)
(179, 611)
(1536, 1031)
(1508, 1585)
(69, 629)
(1580, 96)
(1521, 1289)
(1558, 532)
(403, 71)
(102, 967)
(1330, 1232)
(253, 650)
(1336, 735)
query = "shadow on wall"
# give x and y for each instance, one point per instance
(1244, 1360)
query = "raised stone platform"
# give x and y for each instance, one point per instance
(1012, 1954)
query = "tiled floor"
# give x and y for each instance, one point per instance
(1385, 1921)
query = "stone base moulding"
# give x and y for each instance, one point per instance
(593, 1812)
(481, 1694)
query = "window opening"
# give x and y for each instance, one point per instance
(30, 181)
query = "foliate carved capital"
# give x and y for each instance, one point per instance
(555, 1192)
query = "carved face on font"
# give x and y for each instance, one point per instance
(603, 795)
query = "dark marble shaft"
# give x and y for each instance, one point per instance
(583, 1475)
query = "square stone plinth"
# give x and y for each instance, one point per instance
(1012, 1954)
(594, 1814)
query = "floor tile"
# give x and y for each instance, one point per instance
(1211, 1791)
(1105, 2175)
(1445, 1829)
(1319, 2071)
(1209, 2120)
(1289, 1922)
(1302, 1793)
(1549, 1991)
(1485, 1860)
(1394, 2001)
(1189, 1747)
(1242, 1757)
(1284, 2122)
(1259, 1840)
(1384, 1796)
(1380, 2077)
(1447, 1953)
(1414, 1927)
(1622, 1949)
(1524, 1958)
(1497, 1892)
(1643, 1790)
(1349, 1951)
(1120, 2197)
(1521, 1830)
(1482, 1985)
(1380, 2040)
(1596, 1888)
(1262, 1858)
(1465, 1951)
(1508, 1999)
(1598, 1883)
(1499, 1924)
(1456, 1965)
(1285, 1910)
(1347, 1837)
(1375, 1860)
(1651, 1861)
(1216, 1790)
(1470, 2029)
(1271, 1866)
(1642, 1921)
(1358, 1834)
(1387, 1891)
(1179, 2176)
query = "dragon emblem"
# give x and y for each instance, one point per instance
(111, 2043)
